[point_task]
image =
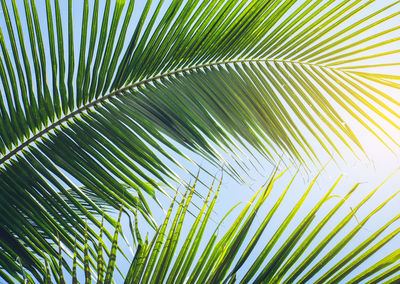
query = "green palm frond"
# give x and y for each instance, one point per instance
(266, 252)
(94, 99)
(235, 257)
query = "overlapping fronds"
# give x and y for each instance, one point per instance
(260, 251)
(249, 253)
(53, 270)
(94, 98)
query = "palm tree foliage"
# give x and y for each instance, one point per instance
(102, 109)
(229, 259)
(173, 256)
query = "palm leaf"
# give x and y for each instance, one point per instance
(213, 76)
(232, 257)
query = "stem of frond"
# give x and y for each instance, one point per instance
(104, 98)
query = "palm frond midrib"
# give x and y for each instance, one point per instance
(119, 91)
